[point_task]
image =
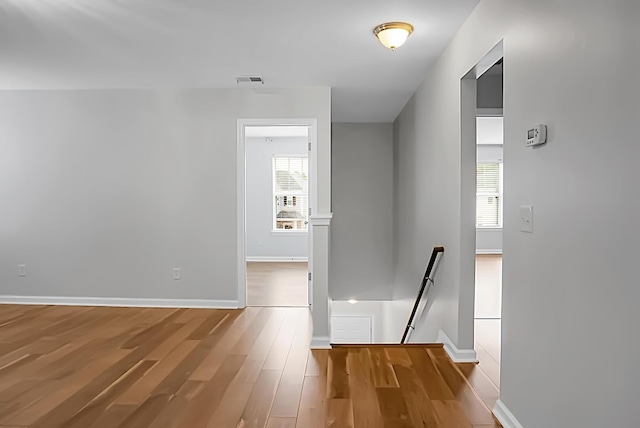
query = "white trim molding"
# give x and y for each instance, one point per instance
(489, 112)
(456, 355)
(118, 301)
(505, 417)
(321, 219)
(276, 259)
(320, 342)
(242, 124)
(489, 251)
(290, 232)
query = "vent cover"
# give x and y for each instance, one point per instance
(249, 79)
(351, 329)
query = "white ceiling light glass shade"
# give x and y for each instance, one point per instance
(393, 34)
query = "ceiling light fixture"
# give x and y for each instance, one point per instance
(393, 34)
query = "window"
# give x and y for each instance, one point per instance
(489, 195)
(290, 193)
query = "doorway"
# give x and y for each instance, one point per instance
(489, 202)
(480, 204)
(277, 195)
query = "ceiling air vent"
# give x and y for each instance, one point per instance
(250, 79)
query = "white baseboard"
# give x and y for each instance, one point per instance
(457, 355)
(276, 259)
(505, 417)
(489, 251)
(117, 301)
(320, 342)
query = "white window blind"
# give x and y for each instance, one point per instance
(489, 195)
(290, 192)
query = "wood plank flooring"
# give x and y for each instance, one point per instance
(487, 345)
(488, 297)
(93, 367)
(277, 284)
(488, 323)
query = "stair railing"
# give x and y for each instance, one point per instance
(425, 280)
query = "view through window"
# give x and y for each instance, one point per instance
(290, 193)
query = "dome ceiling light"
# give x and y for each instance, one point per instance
(393, 34)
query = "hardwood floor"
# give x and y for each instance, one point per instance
(277, 284)
(93, 367)
(488, 302)
(487, 346)
(488, 312)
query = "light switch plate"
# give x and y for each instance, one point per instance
(526, 218)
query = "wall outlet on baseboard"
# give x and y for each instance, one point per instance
(22, 270)
(177, 273)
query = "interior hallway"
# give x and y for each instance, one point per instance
(277, 284)
(103, 367)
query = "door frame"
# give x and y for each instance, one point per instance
(241, 195)
(468, 162)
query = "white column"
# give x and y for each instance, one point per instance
(319, 269)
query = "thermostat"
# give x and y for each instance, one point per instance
(537, 135)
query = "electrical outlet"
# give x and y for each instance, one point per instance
(176, 273)
(260, 242)
(22, 270)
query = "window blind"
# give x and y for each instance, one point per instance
(291, 174)
(488, 195)
(488, 177)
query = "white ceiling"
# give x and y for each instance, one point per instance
(207, 43)
(276, 131)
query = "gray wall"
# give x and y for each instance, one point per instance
(362, 226)
(261, 240)
(572, 283)
(105, 191)
(490, 91)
